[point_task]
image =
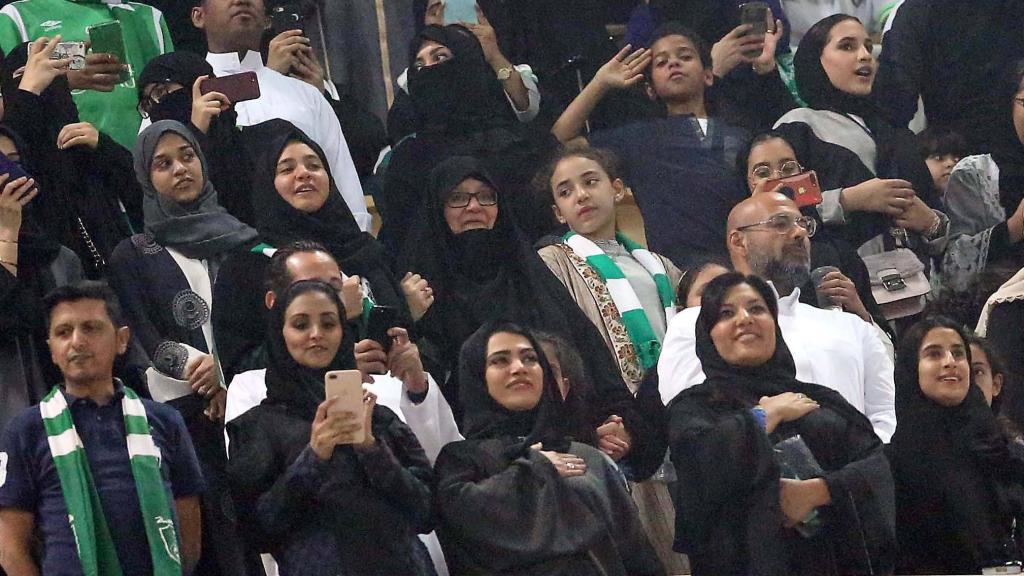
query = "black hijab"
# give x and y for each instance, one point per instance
(36, 248)
(460, 95)
(743, 386)
(484, 275)
(333, 225)
(486, 419)
(897, 155)
(181, 68)
(969, 429)
(298, 389)
(201, 229)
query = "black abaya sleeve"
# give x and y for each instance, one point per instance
(239, 313)
(524, 514)
(721, 461)
(115, 167)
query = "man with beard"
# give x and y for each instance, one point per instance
(768, 236)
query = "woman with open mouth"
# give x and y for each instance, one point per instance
(958, 485)
(876, 185)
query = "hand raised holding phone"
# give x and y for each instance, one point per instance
(206, 106)
(40, 70)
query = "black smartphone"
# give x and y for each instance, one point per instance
(12, 168)
(378, 322)
(291, 16)
(755, 14)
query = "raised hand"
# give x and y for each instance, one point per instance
(13, 198)
(40, 71)
(284, 50)
(418, 294)
(625, 69)
(206, 106)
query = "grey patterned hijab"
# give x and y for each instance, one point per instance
(972, 204)
(200, 229)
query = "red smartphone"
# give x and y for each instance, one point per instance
(803, 188)
(237, 87)
(347, 385)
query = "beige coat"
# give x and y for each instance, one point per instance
(559, 264)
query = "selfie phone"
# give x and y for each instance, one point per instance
(237, 87)
(75, 51)
(107, 38)
(12, 168)
(378, 322)
(456, 11)
(286, 17)
(347, 385)
(803, 188)
(755, 14)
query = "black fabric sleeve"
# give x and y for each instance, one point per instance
(524, 511)
(718, 461)
(750, 100)
(902, 63)
(399, 470)
(239, 313)
(116, 168)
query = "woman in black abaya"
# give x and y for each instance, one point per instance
(517, 497)
(845, 137)
(239, 295)
(490, 273)
(460, 108)
(958, 486)
(734, 513)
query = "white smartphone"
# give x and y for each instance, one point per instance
(347, 385)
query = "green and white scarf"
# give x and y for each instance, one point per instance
(96, 550)
(648, 348)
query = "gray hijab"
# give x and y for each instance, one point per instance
(200, 229)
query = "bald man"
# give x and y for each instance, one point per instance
(768, 236)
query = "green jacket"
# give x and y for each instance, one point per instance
(145, 37)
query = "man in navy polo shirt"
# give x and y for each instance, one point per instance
(110, 481)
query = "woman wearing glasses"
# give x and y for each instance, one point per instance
(771, 157)
(471, 265)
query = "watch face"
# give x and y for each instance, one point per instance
(504, 74)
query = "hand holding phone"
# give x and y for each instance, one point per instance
(236, 87)
(341, 418)
(803, 188)
(378, 322)
(108, 38)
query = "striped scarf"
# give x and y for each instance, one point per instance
(648, 348)
(96, 550)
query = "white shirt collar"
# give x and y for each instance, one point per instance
(228, 62)
(787, 304)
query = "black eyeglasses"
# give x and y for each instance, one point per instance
(783, 223)
(461, 199)
(788, 168)
(158, 93)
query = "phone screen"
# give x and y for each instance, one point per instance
(456, 11)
